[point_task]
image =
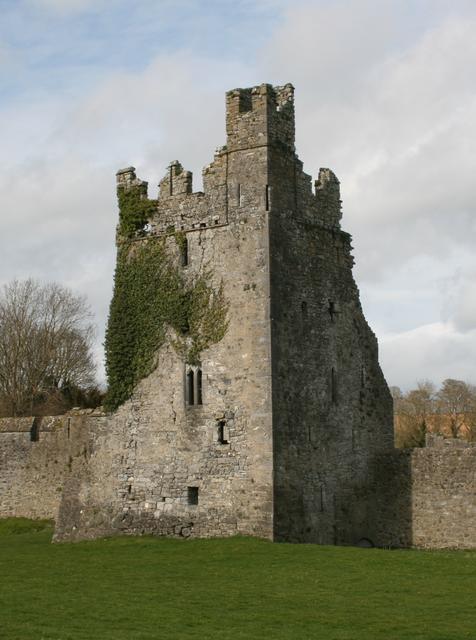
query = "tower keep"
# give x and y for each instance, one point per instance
(258, 407)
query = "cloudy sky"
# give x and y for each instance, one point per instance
(385, 96)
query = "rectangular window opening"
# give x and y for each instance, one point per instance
(35, 430)
(199, 387)
(222, 432)
(184, 252)
(192, 495)
(190, 390)
(333, 386)
(267, 196)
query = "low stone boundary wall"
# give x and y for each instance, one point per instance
(427, 497)
(424, 498)
(36, 454)
(443, 494)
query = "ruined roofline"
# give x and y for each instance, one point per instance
(259, 117)
(272, 121)
(277, 91)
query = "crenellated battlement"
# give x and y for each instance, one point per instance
(328, 202)
(262, 115)
(127, 179)
(257, 167)
(176, 182)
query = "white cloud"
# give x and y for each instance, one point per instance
(58, 193)
(389, 104)
(464, 316)
(434, 352)
(394, 113)
(458, 293)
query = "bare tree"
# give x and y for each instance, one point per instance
(450, 411)
(471, 425)
(414, 411)
(45, 343)
(457, 401)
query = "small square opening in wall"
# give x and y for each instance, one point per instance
(192, 495)
(222, 432)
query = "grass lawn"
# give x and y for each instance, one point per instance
(238, 588)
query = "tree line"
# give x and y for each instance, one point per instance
(47, 367)
(449, 410)
(46, 358)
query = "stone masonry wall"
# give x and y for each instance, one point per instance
(293, 437)
(443, 496)
(332, 411)
(36, 456)
(157, 446)
(145, 456)
(427, 496)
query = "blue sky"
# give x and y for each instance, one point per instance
(67, 45)
(385, 95)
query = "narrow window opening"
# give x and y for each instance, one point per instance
(238, 194)
(334, 310)
(184, 252)
(192, 495)
(199, 387)
(333, 386)
(171, 184)
(190, 390)
(69, 428)
(35, 430)
(129, 489)
(304, 310)
(222, 432)
(267, 196)
(203, 224)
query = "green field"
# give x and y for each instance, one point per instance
(138, 588)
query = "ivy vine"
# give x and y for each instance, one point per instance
(150, 295)
(135, 209)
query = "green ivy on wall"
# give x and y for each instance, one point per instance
(135, 209)
(150, 295)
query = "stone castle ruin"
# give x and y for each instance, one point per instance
(247, 397)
